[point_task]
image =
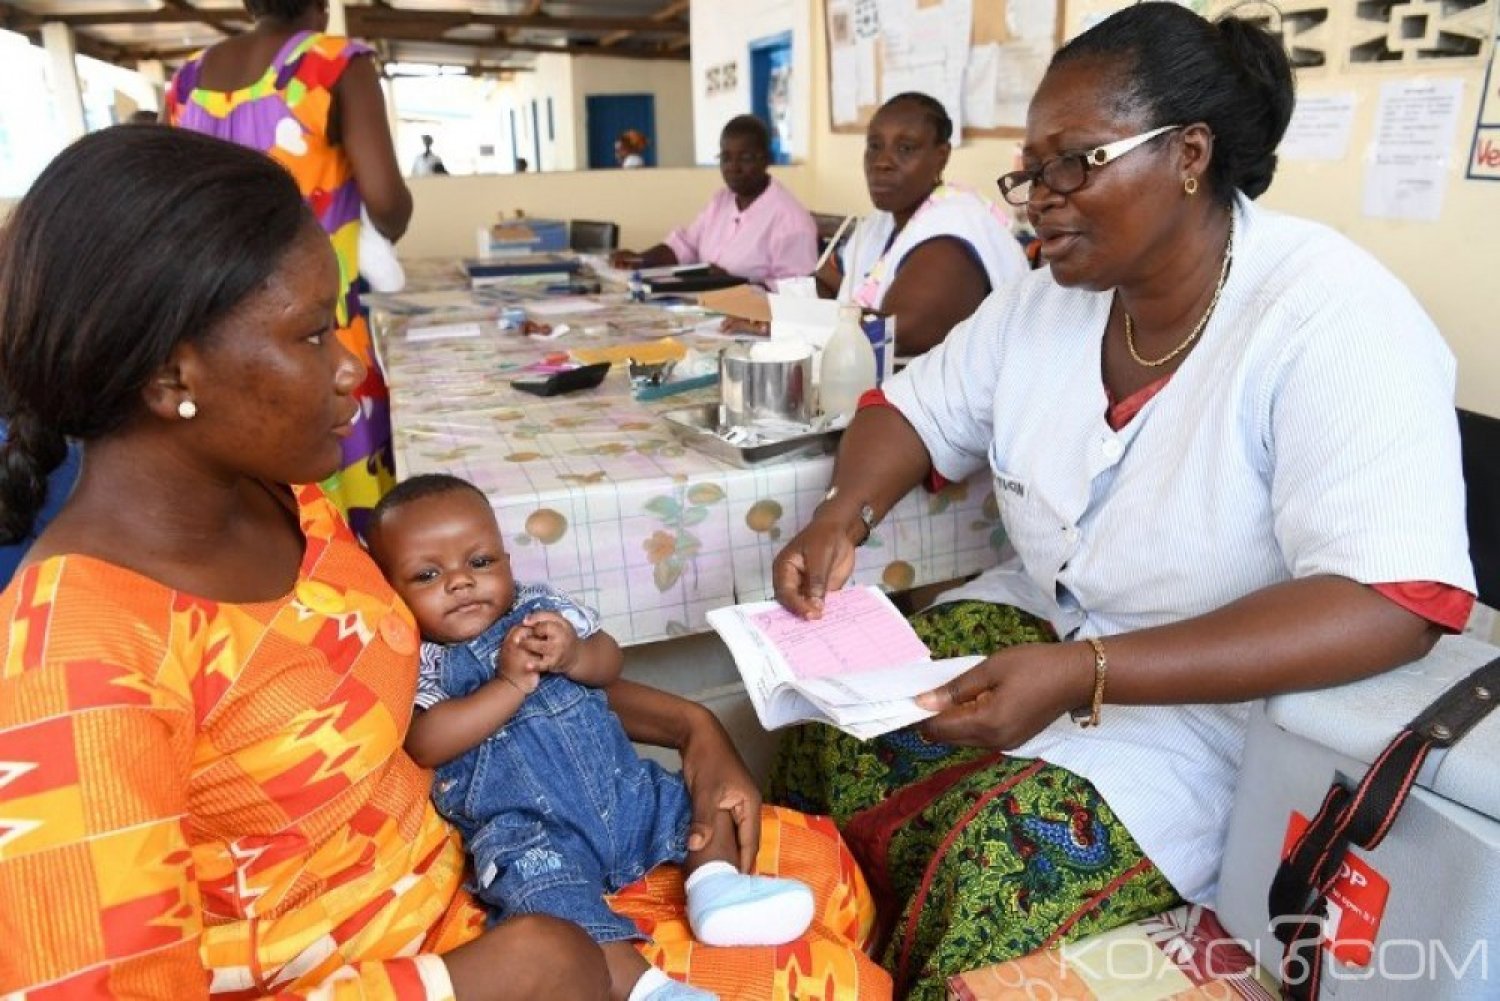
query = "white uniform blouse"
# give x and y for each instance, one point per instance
(1310, 431)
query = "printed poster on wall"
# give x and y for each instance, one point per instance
(1406, 170)
(1484, 158)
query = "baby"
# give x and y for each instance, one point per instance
(555, 807)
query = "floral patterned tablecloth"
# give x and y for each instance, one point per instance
(597, 497)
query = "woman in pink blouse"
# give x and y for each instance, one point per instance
(754, 228)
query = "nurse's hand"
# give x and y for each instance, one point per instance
(818, 559)
(718, 781)
(1010, 696)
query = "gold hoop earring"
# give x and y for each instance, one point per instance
(1190, 186)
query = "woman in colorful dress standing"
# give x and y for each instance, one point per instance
(312, 102)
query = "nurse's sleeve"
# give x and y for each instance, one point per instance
(948, 394)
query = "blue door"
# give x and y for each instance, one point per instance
(611, 114)
(771, 90)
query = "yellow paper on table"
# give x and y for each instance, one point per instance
(645, 352)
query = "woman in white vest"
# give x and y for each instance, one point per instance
(930, 252)
(1225, 454)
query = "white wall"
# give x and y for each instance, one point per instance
(646, 203)
(551, 78)
(1452, 265)
(669, 81)
(722, 31)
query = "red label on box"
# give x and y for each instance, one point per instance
(1356, 902)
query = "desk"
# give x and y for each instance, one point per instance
(595, 495)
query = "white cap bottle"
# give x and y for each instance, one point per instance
(847, 370)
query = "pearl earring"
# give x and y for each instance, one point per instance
(187, 410)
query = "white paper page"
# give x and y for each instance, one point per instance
(798, 287)
(844, 85)
(1019, 70)
(1406, 172)
(442, 331)
(867, 77)
(764, 671)
(809, 321)
(895, 24)
(1034, 20)
(1319, 129)
(894, 685)
(567, 304)
(980, 86)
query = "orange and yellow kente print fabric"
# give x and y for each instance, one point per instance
(199, 798)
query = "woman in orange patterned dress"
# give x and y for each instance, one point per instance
(312, 102)
(204, 680)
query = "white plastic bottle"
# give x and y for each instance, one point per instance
(848, 367)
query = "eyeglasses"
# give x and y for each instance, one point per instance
(1065, 174)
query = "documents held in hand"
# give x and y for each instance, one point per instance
(859, 667)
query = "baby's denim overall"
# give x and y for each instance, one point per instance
(555, 807)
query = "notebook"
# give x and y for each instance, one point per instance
(859, 667)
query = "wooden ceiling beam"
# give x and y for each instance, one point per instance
(173, 14)
(671, 10)
(218, 26)
(376, 21)
(502, 45)
(370, 20)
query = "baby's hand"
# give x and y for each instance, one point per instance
(553, 641)
(516, 662)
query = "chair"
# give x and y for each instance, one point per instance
(1480, 436)
(593, 237)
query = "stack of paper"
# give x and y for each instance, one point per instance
(859, 667)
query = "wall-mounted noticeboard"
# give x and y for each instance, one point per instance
(982, 58)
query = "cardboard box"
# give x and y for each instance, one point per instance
(522, 236)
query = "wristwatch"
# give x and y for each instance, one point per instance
(866, 513)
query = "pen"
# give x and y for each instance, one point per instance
(838, 235)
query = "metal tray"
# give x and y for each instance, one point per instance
(697, 427)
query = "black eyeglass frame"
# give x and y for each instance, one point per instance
(1087, 160)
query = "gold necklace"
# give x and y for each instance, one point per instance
(1203, 322)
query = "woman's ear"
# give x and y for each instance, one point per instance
(171, 385)
(1196, 151)
(944, 151)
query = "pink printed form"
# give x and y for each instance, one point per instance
(859, 631)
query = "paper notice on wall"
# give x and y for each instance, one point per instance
(1406, 171)
(1319, 129)
(925, 49)
(895, 22)
(867, 74)
(1484, 156)
(866, 19)
(844, 85)
(842, 78)
(979, 86)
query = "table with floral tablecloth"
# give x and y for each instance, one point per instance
(596, 496)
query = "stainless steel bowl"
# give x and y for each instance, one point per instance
(765, 380)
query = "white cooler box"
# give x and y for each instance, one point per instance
(1428, 898)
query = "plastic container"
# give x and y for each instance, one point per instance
(847, 370)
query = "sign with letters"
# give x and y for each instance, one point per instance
(1484, 157)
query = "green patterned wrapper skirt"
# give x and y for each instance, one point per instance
(974, 857)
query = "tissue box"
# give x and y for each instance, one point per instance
(522, 236)
(1417, 917)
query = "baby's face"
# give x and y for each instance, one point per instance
(444, 555)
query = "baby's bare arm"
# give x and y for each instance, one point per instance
(453, 726)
